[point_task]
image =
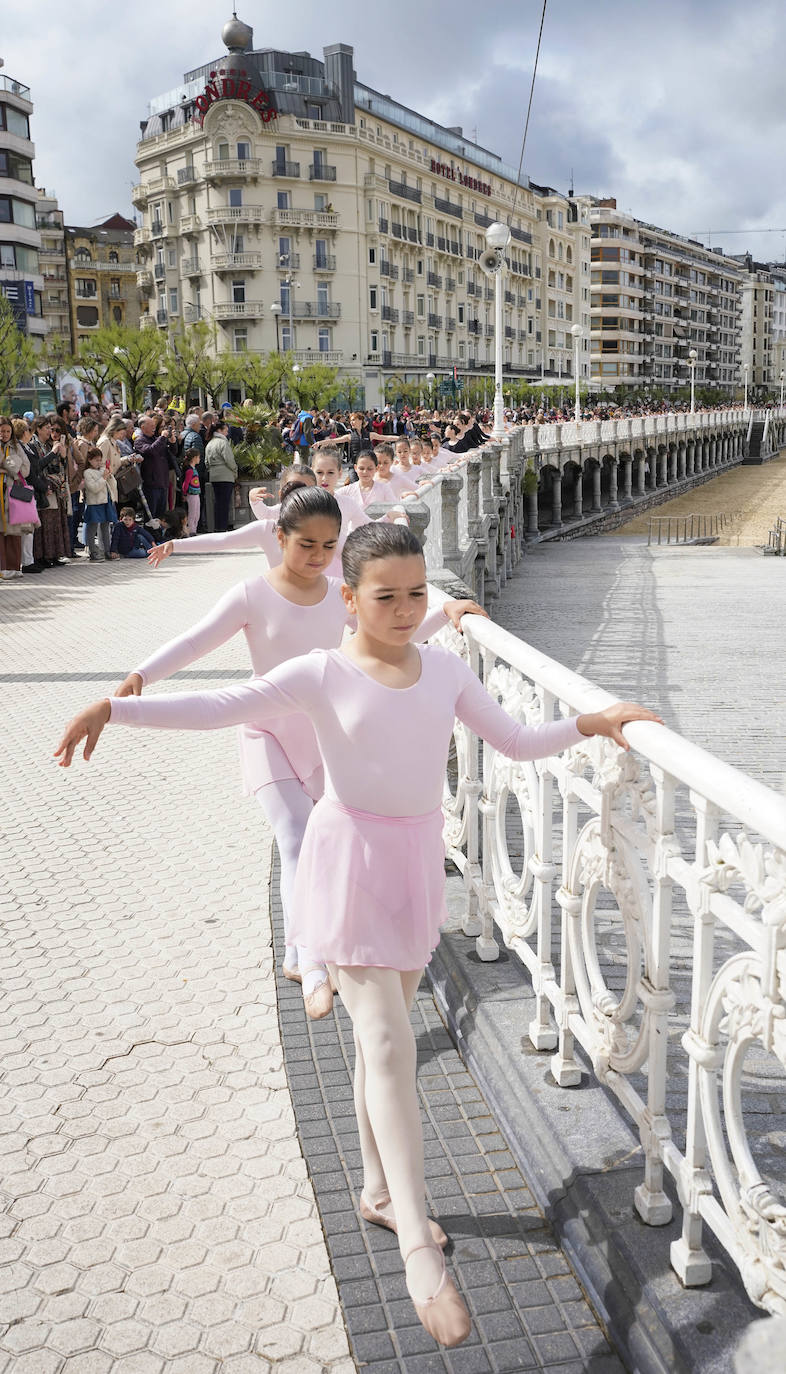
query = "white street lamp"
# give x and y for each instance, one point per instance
(692, 357)
(498, 237)
(745, 375)
(782, 379)
(577, 331)
(118, 351)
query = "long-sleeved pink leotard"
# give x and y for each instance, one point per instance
(257, 534)
(276, 630)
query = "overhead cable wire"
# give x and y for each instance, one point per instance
(529, 105)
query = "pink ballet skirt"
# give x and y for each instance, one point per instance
(369, 889)
(285, 748)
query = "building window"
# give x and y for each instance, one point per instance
(172, 257)
(420, 304)
(84, 287)
(223, 152)
(86, 315)
(82, 255)
(324, 340)
(117, 314)
(374, 337)
(282, 200)
(113, 256)
(421, 346)
(372, 257)
(287, 338)
(236, 195)
(238, 293)
(173, 300)
(240, 340)
(114, 288)
(285, 293)
(372, 298)
(322, 296)
(461, 314)
(243, 152)
(320, 202)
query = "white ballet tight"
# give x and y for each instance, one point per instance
(287, 807)
(378, 1001)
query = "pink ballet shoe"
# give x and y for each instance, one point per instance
(319, 1003)
(444, 1315)
(388, 1220)
(293, 974)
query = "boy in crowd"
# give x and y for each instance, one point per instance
(129, 540)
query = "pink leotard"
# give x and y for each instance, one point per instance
(257, 534)
(276, 630)
(384, 750)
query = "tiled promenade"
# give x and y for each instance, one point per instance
(158, 1215)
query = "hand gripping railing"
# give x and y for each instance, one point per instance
(662, 843)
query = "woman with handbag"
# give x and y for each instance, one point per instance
(18, 514)
(47, 449)
(23, 435)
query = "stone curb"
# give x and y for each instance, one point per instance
(582, 1161)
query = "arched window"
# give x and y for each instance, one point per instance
(552, 253)
(222, 152)
(83, 255)
(560, 252)
(569, 254)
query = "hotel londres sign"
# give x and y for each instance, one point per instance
(233, 84)
(454, 174)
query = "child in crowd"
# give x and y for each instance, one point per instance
(191, 489)
(129, 540)
(100, 513)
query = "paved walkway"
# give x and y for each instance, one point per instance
(158, 1215)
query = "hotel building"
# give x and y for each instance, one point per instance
(21, 281)
(656, 296)
(293, 206)
(763, 322)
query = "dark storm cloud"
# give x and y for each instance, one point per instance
(675, 108)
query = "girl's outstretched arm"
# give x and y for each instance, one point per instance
(251, 536)
(226, 619)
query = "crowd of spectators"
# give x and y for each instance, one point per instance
(104, 484)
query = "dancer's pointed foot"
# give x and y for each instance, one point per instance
(383, 1215)
(441, 1310)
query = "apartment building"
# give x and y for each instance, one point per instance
(655, 297)
(295, 207)
(763, 322)
(101, 267)
(21, 281)
(52, 256)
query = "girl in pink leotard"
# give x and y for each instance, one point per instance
(259, 533)
(370, 882)
(292, 608)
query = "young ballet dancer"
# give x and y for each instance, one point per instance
(386, 472)
(292, 608)
(259, 533)
(369, 893)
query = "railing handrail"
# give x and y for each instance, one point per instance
(757, 806)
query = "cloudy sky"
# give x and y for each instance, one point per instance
(674, 107)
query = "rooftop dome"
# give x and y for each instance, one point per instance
(237, 36)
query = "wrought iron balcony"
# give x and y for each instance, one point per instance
(429, 240)
(520, 235)
(510, 298)
(191, 314)
(324, 262)
(315, 310)
(320, 171)
(157, 228)
(399, 188)
(383, 225)
(473, 289)
(396, 230)
(408, 275)
(389, 314)
(435, 321)
(448, 207)
(412, 235)
(434, 279)
(186, 176)
(192, 267)
(450, 284)
(407, 318)
(286, 169)
(450, 324)
(388, 269)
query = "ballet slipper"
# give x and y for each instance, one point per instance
(319, 1003)
(444, 1315)
(377, 1218)
(293, 974)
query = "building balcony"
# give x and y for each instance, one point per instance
(435, 321)
(450, 324)
(52, 255)
(411, 234)
(238, 310)
(286, 169)
(388, 269)
(473, 289)
(389, 314)
(144, 280)
(141, 237)
(324, 262)
(187, 176)
(235, 214)
(383, 225)
(192, 267)
(315, 310)
(329, 357)
(450, 284)
(510, 298)
(408, 275)
(320, 171)
(407, 318)
(434, 279)
(234, 167)
(86, 293)
(305, 219)
(229, 262)
(488, 293)
(156, 186)
(396, 230)
(139, 196)
(474, 326)
(192, 314)
(398, 188)
(448, 207)
(190, 224)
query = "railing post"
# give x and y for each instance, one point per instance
(688, 1257)
(450, 491)
(556, 498)
(597, 503)
(627, 478)
(532, 513)
(474, 467)
(613, 502)
(652, 1204)
(641, 476)
(541, 1028)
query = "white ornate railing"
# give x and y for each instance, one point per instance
(627, 851)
